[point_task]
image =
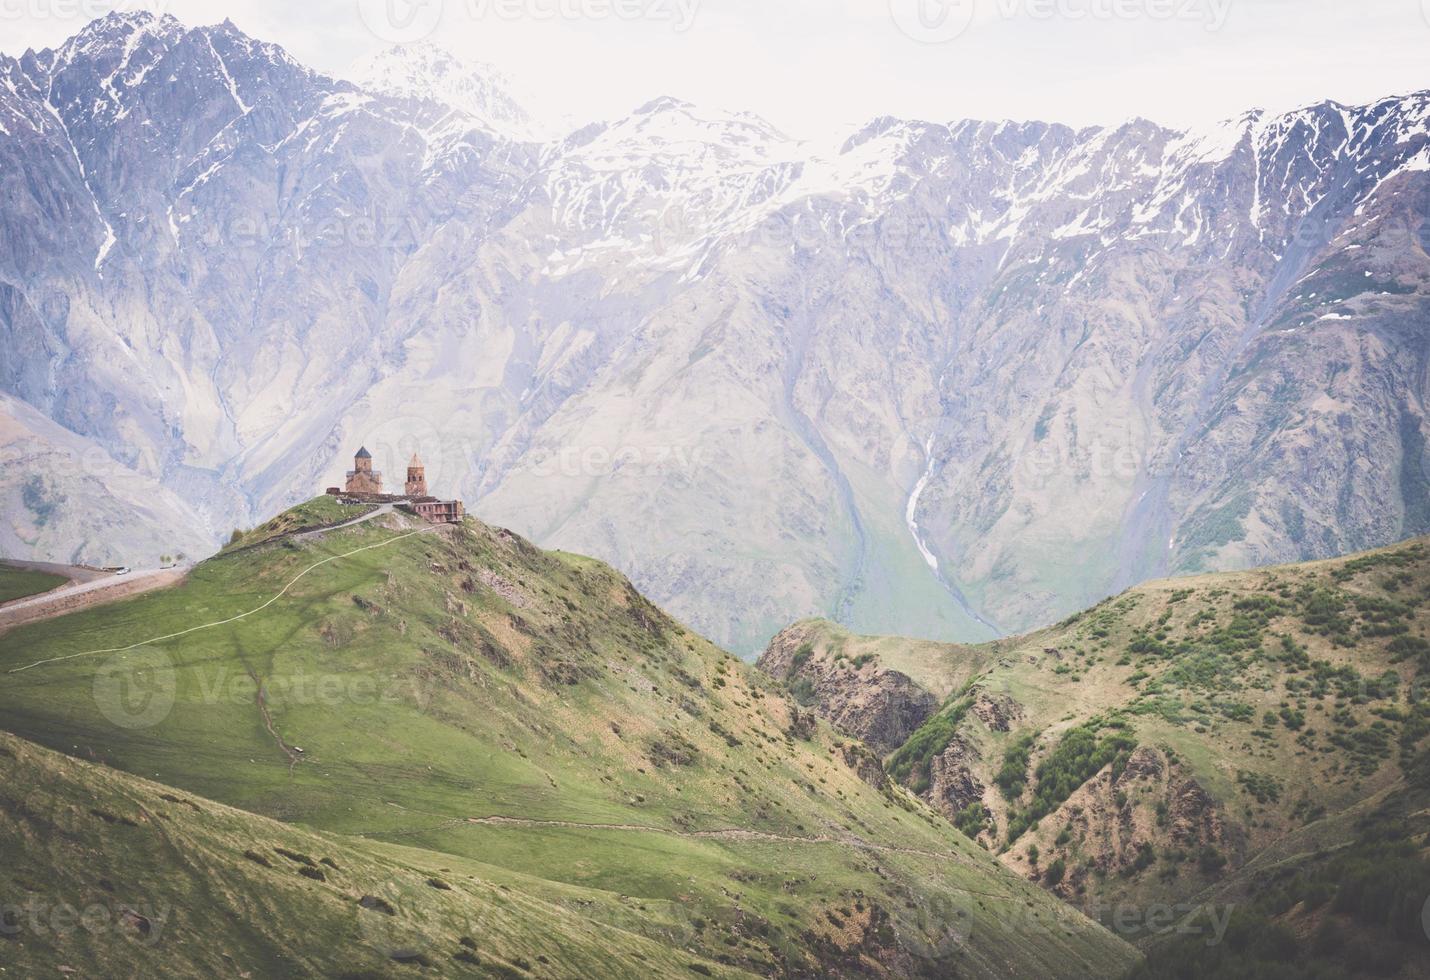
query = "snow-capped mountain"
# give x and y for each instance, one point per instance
(427, 72)
(931, 378)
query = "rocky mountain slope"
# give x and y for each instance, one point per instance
(527, 722)
(1212, 739)
(872, 381)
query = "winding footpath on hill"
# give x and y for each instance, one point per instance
(729, 834)
(736, 835)
(387, 509)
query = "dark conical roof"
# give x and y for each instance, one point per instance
(363, 454)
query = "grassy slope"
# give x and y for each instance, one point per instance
(459, 674)
(1295, 744)
(17, 583)
(170, 884)
(320, 512)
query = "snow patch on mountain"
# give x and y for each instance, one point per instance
(429, 72)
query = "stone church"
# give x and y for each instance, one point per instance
(365, 484)
(362, 478)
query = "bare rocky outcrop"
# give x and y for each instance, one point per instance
(952, 782)
(997, 711)
(866, 764)
(1193, 814)
(880, 707)
(1127, 824)
(801, 724)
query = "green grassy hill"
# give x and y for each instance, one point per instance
(19, 583)
(109, 875)
(458, 693)
(1195, 740)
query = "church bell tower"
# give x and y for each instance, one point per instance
(416, 478)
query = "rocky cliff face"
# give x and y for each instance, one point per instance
(878, 706)
(953, 378)
(1119, 824)
(954, 785)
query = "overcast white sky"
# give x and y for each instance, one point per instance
(814, 65)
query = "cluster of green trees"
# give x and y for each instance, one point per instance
(1080, 755)
(910, 763)
(972, 820)
(1012, 777)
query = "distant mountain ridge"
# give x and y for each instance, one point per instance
(942, 380)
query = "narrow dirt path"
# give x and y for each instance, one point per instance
(731, 834)
(233, 619)
(737, 834)
(261, 697)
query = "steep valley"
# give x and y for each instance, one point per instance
(1253, 742)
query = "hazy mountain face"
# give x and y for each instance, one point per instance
(939, 379)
